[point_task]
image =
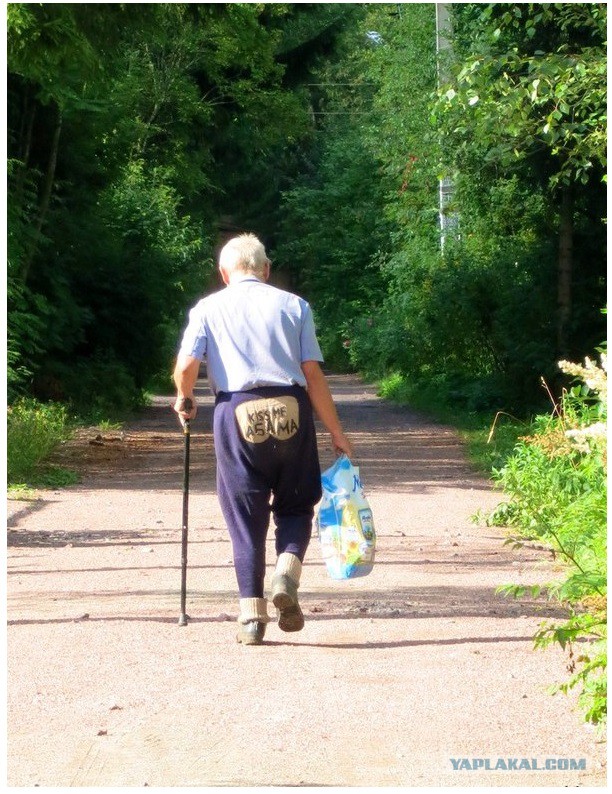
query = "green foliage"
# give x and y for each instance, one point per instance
(120, 396)
(139, 135)
(48, 45)
(475, 322)
(591, 679)
(132, 130)
(534, 81)
(338, 218)
(556, 480)
(330, 260)
(509, 284)
(26, 327)
(34, 430)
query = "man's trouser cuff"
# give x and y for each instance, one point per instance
(253, 609)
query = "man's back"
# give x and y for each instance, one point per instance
(252, 334)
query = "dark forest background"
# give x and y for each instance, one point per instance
(141, 136)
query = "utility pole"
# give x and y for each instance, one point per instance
(448, 221)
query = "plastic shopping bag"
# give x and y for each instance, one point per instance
(345, 524)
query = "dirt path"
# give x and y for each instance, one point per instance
(393, 680)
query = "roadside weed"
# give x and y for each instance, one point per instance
(34, 430)
(556, 483)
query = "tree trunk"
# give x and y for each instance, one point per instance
(45, 198)
(565, 268)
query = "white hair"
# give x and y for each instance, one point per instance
(245, 253)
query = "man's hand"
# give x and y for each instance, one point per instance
(183, 409)
(185, 377)
(342, 445)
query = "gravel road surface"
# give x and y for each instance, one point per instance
(417, 675)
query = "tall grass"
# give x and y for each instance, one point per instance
(34, 430)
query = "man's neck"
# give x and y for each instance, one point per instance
(239, 275)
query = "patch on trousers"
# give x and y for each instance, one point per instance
(278, 417)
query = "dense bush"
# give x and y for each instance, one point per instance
(102, 388)
(478, 311)
(556, 480)
(135, 132)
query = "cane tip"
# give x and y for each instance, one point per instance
(182, 620)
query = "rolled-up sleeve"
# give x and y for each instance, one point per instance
(194, 338)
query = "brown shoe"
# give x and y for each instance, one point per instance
(284, 598)
(251, 633)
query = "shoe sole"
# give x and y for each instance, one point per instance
(291, 617)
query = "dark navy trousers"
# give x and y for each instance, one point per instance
(267, 463)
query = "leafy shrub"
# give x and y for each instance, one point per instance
(556, 480)
(33, 431)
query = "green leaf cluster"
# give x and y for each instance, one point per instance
(141, 136)
(557, 496)
(367, 170)
(533, 82)
(34, 430)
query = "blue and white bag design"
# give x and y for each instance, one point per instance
(344, 522)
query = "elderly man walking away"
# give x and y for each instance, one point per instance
(263, 367)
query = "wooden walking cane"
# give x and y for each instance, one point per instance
(187, 406)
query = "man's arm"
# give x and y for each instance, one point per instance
(323, 404)
(185, 377)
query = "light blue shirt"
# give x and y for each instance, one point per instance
(252, 334)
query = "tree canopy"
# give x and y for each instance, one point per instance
(140, 136)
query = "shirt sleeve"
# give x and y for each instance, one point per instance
(194, 338)
(309, 346)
